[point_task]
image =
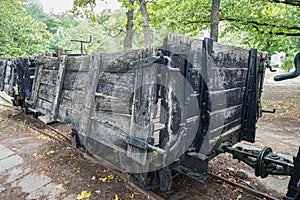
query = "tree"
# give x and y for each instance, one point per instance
(129, 27)
(20, 35)
(145, 20)
(85, 8)
(214, 20)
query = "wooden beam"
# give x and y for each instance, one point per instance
(58, 88)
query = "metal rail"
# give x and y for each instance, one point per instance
(249, 190)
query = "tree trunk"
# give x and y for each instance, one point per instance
(145, 19)
(214, 20)
(129, 31)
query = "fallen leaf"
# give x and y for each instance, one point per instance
(116, 197)
(59, 186)
(110, 177)
(83, 195)
(103, 179)
(50, 152)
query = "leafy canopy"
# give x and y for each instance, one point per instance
(20, 34)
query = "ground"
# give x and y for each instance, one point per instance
(62, 172)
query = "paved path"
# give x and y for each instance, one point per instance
(15, 175)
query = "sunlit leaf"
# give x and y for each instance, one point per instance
(83, 195)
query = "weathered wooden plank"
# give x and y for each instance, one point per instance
(227, 78)
(95, 63)
(75, 80)
(119, 62)
(44, 106)
(79, 64)
(49, 76)
(193, 106)
(226, 98)
(109, 134)
(58, 88)
(220, 78)
(46, 92)
(113, 104)
(69, 116)
(51, 63)
(235, 124)
(3, 65)
(223, 117)
(122, 120)
(35, 93)
(143, 110)
(73, 99)
(229, 56)
(11, 76)
(118, 85)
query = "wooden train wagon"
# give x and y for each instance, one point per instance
(154, 109)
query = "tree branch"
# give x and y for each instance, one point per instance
(247, 22)
(288, 2)
(256, 25)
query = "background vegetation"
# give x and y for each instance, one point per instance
(26, 29)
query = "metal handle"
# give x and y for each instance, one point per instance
(293, 74)
(154, 59)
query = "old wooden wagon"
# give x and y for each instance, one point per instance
(153, 110)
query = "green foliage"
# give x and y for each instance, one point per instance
(288, 64)
(260, 24)
(20, 34)
(53, 22)
(107, 32)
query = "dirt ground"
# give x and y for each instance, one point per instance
(72, 171)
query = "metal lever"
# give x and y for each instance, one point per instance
(293, 74)
(81, 43)
(269, 111)
(143, 144)
(270, 67)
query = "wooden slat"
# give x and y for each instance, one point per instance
(112, 104)
(122, 120)
(58, 88)
(223, 117)
(44, 106)
(89, 100)
(35, 93)
(143, 110)
(226, 98)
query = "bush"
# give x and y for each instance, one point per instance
(288, 64)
